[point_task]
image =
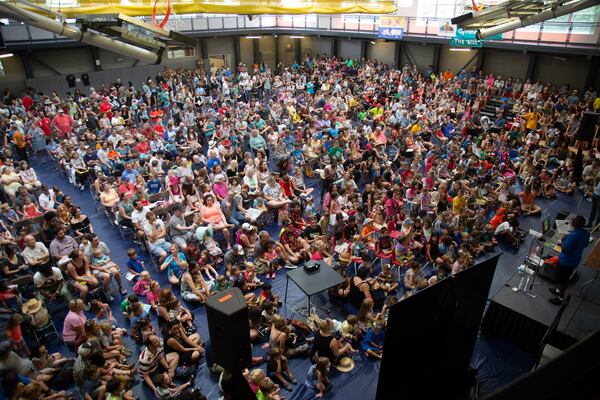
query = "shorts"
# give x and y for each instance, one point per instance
(159, 250)
(563, 274)
(182, 241)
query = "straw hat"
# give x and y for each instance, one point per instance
(346, 364)
(345, 257)
(31, 307)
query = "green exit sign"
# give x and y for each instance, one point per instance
(473, 43)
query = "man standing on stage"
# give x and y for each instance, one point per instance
(569, 258)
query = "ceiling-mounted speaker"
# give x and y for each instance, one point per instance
(71, 80)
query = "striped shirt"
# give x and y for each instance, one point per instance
(148, 362)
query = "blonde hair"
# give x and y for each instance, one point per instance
(257, 375)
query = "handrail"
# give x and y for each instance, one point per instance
(550, 32)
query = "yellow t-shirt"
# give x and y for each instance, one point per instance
(532, 120)
(597, 103)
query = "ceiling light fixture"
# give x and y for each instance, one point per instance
(252, 37)
(296, 37)
(460, 49)
(6, 55)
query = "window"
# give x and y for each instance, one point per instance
(585, 21)
(2, 71)
(181, 53)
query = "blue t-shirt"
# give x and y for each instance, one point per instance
(135, 265)
(572, 248)
(153, 186)
(371, 336)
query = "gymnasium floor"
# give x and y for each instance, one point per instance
(498, 362)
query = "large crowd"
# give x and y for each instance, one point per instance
(393, 177)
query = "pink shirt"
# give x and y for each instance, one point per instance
(72, 321)
(152, 297)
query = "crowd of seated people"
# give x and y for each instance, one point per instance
(406, 184)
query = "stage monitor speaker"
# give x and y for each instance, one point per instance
(85, 78)
(229, 330)
(587, 128)
(71, 80)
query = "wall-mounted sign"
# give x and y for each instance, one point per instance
(469, 34)
(446, 28)
(386, 21)
(473, 43)
(390, 33)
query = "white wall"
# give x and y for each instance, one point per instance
(382, 51)
(420, 55)
(506, 63)
(247, 51)
(316, 45)
(349, 48)
(559, 70)
(66, 61)
(14, 76)
(267, 49)
(287, 50)
(221, 46)
(456, 60)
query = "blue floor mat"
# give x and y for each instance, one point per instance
(497, 362)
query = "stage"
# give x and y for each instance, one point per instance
(522, 320)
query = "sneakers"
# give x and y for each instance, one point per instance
(290, 266)
(557, 301)
(554, 291)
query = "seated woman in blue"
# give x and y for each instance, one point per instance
(175, 264)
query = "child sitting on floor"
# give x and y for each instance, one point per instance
(142, 286)
(372, 344)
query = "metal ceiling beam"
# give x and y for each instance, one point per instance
(71, 32)
(554, 12)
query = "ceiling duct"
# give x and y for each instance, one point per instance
(74, 33)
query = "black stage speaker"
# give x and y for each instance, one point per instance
(85, 78)
(432, 358)
(71, 80)
(229, 329)
(587, 128)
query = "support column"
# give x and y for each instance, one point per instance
(531, 66)
(435, 62)
(335, 44)
(364, 45)
(276, 52)
(26, 60)
(255, 51)
(479, 62)
(398, 54)
(298, 50)
(96, 59)
(236, 53)
(205, 58)
(593, 70)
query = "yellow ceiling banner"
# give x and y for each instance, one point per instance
(254, 7)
